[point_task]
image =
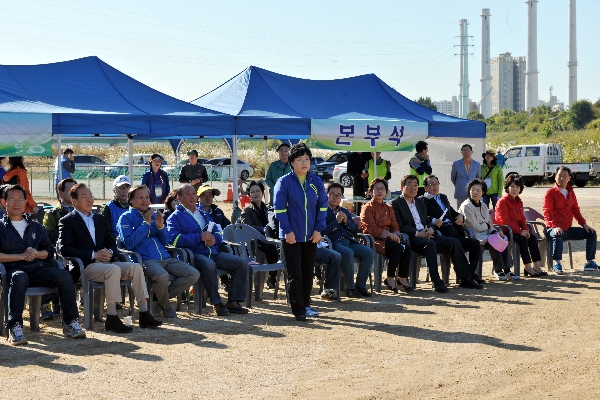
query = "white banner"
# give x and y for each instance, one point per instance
(366, 134)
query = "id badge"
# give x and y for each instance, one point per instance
(158, 192)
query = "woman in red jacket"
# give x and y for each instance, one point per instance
(509, 211)
(17, 175)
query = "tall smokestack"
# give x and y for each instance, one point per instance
(572, 52)
(531, 73)
(464, 69)
(485, 104)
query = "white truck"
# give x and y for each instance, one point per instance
(538, 163)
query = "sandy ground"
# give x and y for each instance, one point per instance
(534, 338)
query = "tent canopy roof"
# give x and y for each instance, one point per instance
(269, 103)
(87, 96)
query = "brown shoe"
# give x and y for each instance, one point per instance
(235, 308)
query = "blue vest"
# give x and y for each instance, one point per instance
(115, 214)
(59, 164)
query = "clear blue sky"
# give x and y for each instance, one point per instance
(187, 48)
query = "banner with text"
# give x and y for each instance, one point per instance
(23, 134)
(366, 134)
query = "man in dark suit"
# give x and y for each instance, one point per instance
(448, 222)
(86, 235)
(411, 214)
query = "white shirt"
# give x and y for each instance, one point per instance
(89, 222)
(415, 213)
(565, 192)
(20, 226)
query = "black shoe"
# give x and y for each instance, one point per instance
(148, 321)
(534, 275)
(114, 324)
(364, 292)
(271, 282)
(470, 283)
(478, 279)
(301, 317)
(221, 310)
(354, 293)
(406, 288)
(119, 306)
(439, 286)
(235, 308)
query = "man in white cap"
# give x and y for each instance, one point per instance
(113, 210)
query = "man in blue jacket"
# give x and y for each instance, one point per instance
(27, 255)
(191, 227)
(142, 230)
(341, 230)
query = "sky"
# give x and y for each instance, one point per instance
(187, 48)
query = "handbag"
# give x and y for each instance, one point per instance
(497, 242)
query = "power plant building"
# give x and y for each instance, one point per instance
(508, 83)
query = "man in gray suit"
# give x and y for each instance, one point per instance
(463, 172)
(411, 215)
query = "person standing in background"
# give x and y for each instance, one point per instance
(193, 173)
(500, 157)
(492, 175)
(420, 165)
(156, 180)
(3, 164)
(277, 169)
(355, 166)
(66, 163)
(17, 175)
(463, 172)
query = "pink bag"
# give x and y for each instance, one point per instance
(497, 242)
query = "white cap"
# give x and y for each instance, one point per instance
(120, 181)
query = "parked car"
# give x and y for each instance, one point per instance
(140, 162)
(341, 176)
(88, 166)
(174, 169)
(325, 169)
(216, 168)
(314, 161)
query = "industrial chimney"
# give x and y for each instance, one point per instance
(464, 69)
(572, 52)
(531, 72)
(485, 104)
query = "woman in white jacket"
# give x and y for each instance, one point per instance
(479, 224)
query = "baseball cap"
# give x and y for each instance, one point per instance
(156, 155)
(120, 181)
(281, 145)
(194, 152)
(206, 188)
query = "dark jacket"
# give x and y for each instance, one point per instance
(51, 219)
(218, 216)
(157, 180)
(12, 243)
(74, 238)
(190, 172)
(404, 216)
(336, 231)
(112, 211)
(256, 217)
(434, 211)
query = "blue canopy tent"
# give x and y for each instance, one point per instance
(267, 103)
(89, 97)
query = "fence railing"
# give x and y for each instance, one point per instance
(100, 179)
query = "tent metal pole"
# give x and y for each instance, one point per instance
(266, 163)
(59, 169)
(234, 177)
(130, 152)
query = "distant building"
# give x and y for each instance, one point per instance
(449, 107)
(508, 83)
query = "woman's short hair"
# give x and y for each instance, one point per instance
(378, 180)
(297, 150)
(477, 182)
(170, 197)
(133, 189)
(255, 183)
(515, 178)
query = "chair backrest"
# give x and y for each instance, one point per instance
(243, 235)
(531, 214)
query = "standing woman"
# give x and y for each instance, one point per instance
(378, 219)
(478, 221)
(509, 211)
(301, 209)
(17, 175)
(492, 175)
(156, 180)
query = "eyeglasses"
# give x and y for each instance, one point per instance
(335, 196)
(256, 192)
(18, 201)
(379, 189)
(474, 190)
(433, 184)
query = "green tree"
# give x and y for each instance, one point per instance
(475, 115)
(581, 113)
(426, 102)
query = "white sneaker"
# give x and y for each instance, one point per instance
(74, 330)
(16, 336)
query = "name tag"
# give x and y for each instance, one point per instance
(158, 191)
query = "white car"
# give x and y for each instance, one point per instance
(216, 168)
(341, 176)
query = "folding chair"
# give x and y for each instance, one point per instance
(247, 238)
(514, 248)
(533, 217)
(34, 293)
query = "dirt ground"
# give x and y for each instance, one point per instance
(533, 338)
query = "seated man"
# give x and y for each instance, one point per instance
(26, 252)
(50, 223)
(206, 195)
(2, 208)
(142, 230)
(113, 210)
(560, 207)
(411, 214)
(341, 230)
(86, 235)
(451, 224)
(191, 227)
